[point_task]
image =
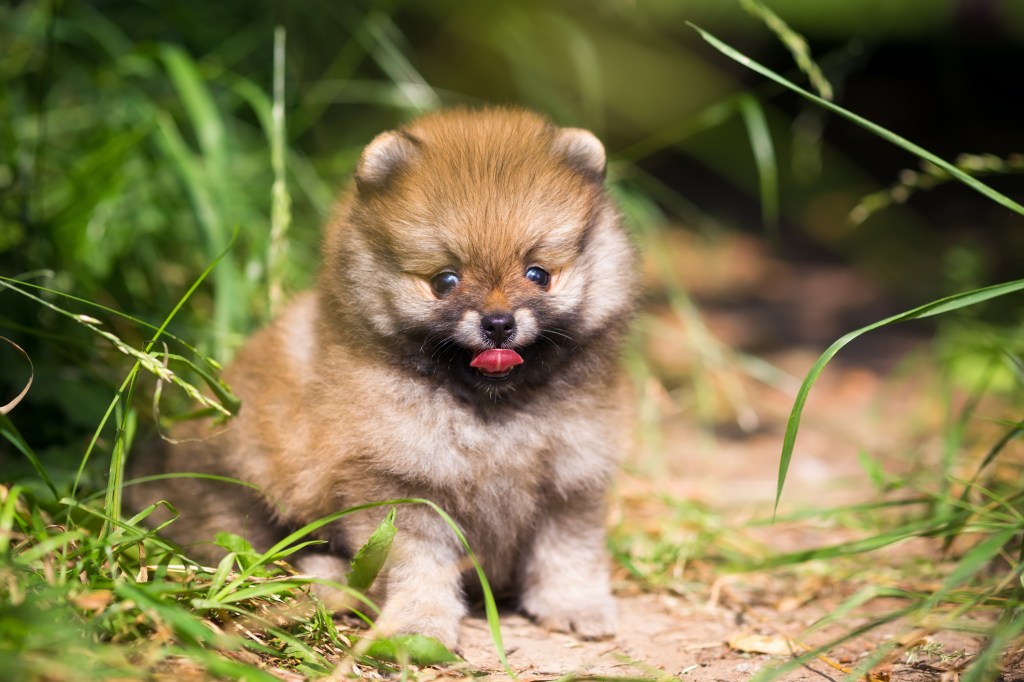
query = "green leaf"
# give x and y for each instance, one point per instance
(418, 649)
(233, 543)
(220, 576)
(370, 558)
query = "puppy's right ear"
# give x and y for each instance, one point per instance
(384, 158)
(582, 151)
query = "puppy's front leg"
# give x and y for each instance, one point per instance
(566, 584)
(423, 581)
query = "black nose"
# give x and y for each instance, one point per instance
(498, 327)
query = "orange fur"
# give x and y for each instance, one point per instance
(361, 391)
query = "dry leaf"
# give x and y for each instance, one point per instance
(4, 409)
(97, 600)
(776, 645)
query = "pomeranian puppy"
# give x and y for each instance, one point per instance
(461, 345)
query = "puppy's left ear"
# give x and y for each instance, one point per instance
(384, 158)
(582, 151)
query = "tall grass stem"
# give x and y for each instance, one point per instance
(280, 211)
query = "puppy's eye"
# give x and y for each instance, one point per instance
(538, 276)
(443, 282)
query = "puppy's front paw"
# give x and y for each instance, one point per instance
(592, 619)
(437, 623)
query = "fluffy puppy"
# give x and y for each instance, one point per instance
(461, 345)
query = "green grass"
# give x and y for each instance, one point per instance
(161, 200)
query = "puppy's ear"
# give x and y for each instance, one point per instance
(582, 151)
(384, 158)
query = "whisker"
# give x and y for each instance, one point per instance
(549, 332)
(547, 338)
(560, 332)
(442, 346)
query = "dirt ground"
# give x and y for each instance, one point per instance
(872, 401)
(663, 637)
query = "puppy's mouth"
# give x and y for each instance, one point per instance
(496, 363)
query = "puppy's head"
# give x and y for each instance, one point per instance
(480, 247)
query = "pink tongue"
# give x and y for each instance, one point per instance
(496, 360)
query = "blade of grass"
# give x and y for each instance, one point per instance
(1016, 365)
(986, 665)
(849, 548)
(13, 494)
(119, 456)
(221, 391)
(383, 47)
(22, 282)
(202, 110)
(938, 307)
(262, 589)
(226, 292)
(50, 544)
(118, 394)
(280, 212)
(855, 509)
(975, 560)
(132, 534)
(186, 625)
(993, 452)
(794, 42)
(764, 159)
(884, 133)
(713, 116)
(10, 432)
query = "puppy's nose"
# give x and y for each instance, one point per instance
(498, 327)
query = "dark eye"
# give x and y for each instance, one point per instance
(538, 276)
(443, 282)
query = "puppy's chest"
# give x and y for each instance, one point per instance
(457, 455)
(513, 460)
